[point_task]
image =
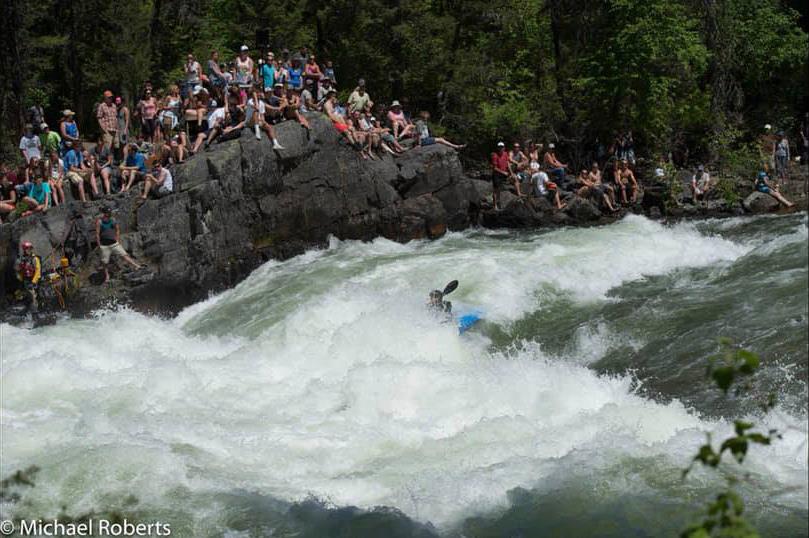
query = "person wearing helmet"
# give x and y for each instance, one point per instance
(29, 272)
(438, 304)
(763, 185)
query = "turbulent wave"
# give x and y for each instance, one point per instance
(323, 376)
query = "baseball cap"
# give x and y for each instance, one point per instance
(501, 144)
(107, 93)
(244, 48)
(43, 125)
(395, 103)
(551, 146)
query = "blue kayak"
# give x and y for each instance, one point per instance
(468, 320)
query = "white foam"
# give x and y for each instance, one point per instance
(354, 395)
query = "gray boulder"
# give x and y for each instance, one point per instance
(759, 202)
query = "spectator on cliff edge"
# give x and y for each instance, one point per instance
(763, 185)
(108, 236)
(500, 172)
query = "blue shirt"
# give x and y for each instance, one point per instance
(72, 158)
(295, 77)
(268, 74)
(137, 159)
(39, 192)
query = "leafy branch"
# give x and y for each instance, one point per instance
(725, 514)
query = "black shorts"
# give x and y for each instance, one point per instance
(498, 180)
(149, 126)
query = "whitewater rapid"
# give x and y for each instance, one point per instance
(321, 376)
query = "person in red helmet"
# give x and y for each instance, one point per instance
(29, 272)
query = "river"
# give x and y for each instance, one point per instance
(317, 398)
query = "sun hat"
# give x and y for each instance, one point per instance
(107, 93)
(68, 112)
(395, 103)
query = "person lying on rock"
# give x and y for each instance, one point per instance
(108, 236)
(763, 185)
(425, 138)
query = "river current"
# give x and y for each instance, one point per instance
(317, 398)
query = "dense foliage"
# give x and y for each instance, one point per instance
(691, 77)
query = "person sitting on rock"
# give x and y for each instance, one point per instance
(398, 121)
(29, 272)
(544, 186)
(254, 117)
(133, 168)
(554, 165)
(108, 236)
(598, 179)
(588, 188)
(38, 198)
(338, 121)
(8, 195)
(102, 162)
(292, 110)
(425, 138)
(389, 142)
(160, 180)
(518, 161)
(77, 171)
(229, 128)
(763, 185)
(700, 183)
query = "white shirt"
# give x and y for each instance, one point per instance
(540, 179)
(216, 115)
(168, 181)
(31, 147)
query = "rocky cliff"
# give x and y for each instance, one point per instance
(241, 203)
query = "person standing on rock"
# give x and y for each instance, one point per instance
(763, 185)
(500, 172)
(780, 153)
(108, 236)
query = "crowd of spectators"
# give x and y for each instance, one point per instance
(538, 172)
(138, 147)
